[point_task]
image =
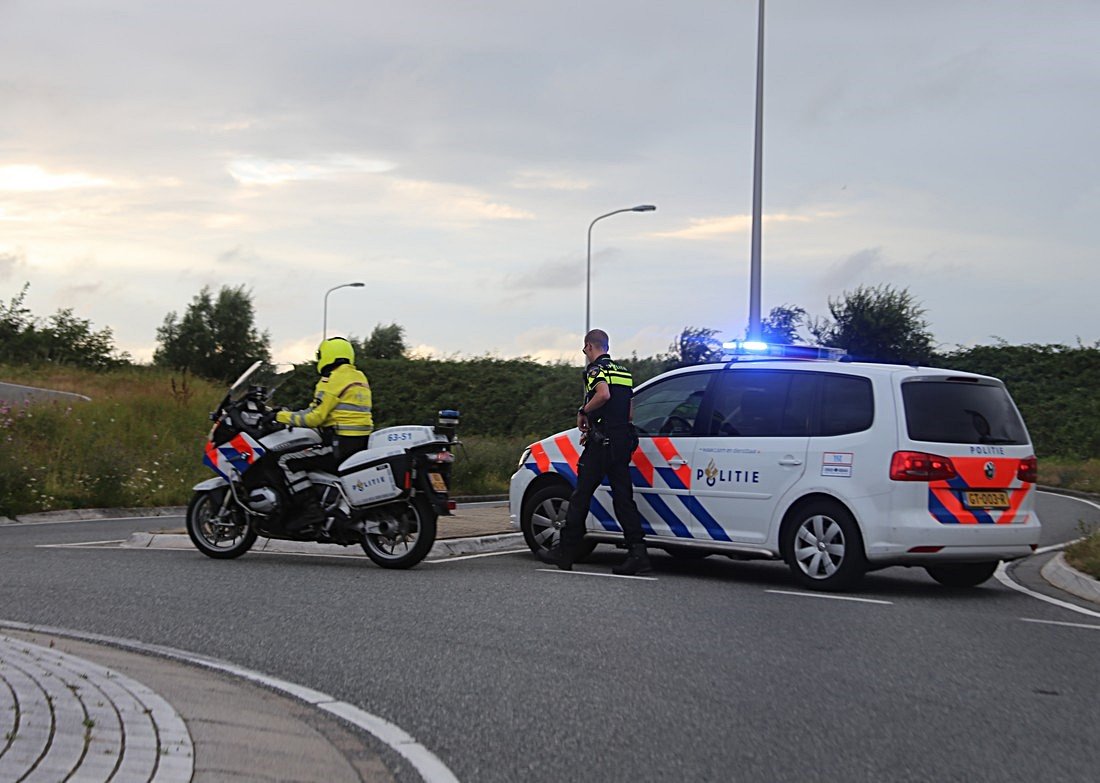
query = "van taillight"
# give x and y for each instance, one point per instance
(918, 466)
(1028, 470)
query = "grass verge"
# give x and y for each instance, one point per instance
(1085, 555)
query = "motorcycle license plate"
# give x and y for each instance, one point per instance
(438, 484)
(987, 499)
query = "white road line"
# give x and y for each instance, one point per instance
(97, 519)
(82, 543)
(1006, 580)
(426, 763)
(595, 573)
(834, 597)
(481, 554)
(1057, 622)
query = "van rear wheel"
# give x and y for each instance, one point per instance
(823, 546)
(962, 574)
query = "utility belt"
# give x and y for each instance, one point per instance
(613, 435)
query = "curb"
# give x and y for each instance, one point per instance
(86, 514)
(1063, 576)
(444, 548)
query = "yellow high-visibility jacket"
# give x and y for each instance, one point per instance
(341, 401)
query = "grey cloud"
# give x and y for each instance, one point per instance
(12, 264)
(554, 274)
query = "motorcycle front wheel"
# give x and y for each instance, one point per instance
(216, 531)
(411, 543)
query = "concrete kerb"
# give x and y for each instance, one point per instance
(1063, 576)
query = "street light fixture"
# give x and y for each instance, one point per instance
(324, 327)
(588, 275)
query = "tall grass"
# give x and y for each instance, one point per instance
(139, 443)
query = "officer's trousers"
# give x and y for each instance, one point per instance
(610, 458)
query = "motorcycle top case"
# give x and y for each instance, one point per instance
(406, 436)
(374, 475)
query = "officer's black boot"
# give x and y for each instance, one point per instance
(637, 562)
(556, 556)
(310, 516)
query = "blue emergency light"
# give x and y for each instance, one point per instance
(747, 349)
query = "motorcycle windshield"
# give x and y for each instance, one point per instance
(262, 377)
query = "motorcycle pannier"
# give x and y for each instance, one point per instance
(374, 475)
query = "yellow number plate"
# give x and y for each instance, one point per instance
(987, 499)
(438, 484)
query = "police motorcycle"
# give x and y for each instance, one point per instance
(385, 498)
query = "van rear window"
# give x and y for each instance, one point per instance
(961, 412)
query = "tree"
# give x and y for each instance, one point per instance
(879, 324)
(216, 339)
(63, 339)
(781, 325)
(695, 346)
(385, 342)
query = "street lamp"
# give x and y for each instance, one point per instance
(324, 327)
(588, 276)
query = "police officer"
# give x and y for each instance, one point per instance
(609, 441)
(342, 407)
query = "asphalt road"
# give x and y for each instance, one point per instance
(715, 670)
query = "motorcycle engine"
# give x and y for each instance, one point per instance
(263, 500)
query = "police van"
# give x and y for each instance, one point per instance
(794, 453)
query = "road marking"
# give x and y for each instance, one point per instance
(481, 554)
(82, 543)
(1006, 580)
(596, 573)
(96, 519)
(426, 763)
(834, 597)
(1057, 622)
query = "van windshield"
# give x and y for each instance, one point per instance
(961, 412)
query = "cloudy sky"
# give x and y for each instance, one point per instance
(452, 153)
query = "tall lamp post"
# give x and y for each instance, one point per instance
(757, 184)
(324, 326)
(588, 276)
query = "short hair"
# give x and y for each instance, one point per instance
(598, 338)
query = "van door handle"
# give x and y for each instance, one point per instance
(789, 460)
(677, 462)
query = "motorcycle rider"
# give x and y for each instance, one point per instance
(341, 408)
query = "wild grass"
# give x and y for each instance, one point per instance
(1079, 474)
(1085, 555)
(139, 443)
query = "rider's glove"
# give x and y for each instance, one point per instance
(268, 419)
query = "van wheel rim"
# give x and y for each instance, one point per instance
(819, 547)
(547, 520)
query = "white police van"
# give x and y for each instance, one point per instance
(836, 467)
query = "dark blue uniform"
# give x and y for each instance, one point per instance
(611, 442)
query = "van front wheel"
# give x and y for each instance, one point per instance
(823, 547)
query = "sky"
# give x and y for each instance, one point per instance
(452, 155)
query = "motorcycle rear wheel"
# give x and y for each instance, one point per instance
(220, 538)
(408, 549)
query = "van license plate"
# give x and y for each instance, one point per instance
(439, 485)
(987, 499)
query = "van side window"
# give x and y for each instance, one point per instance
(670, 407)
(762, 404)
(847, 405)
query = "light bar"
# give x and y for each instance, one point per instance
(749, 348)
